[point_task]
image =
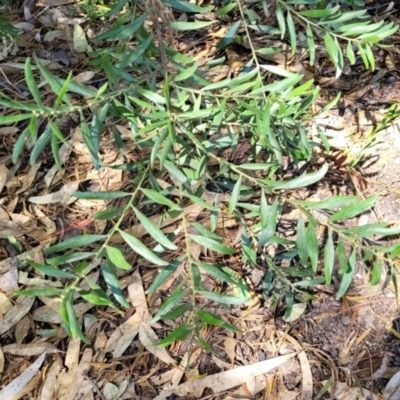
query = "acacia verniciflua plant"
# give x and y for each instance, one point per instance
(182, 122)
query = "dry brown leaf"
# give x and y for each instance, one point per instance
(225, 380)
(9, 275)
(307, 379)
(3, 176)
(80, 388)
(22, 329)
(63, 196)
(344, 392)
(2, 360)
(147, 337)
(14, 387)
(49, 387)
(18, 311)
(66, 378)
(30, 349)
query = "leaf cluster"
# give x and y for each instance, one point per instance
(182, 121)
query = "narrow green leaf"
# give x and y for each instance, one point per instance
(347, 276)
(281, 20)
(114, 286)
(289, 299)
(107, 214)
(329, 258)
(112, 195)
(171, 302)
(164, 274)
(214, 320)
(230, 35)
(38, 292)
(350, 52)
(301, 241)
(177, 312)
(269, 220)
(312, 244)
(355, 209)
(69, 258)
(301, 181)
(376, 272)
(30, 80)
(74, 325)
(160, 199)
(154, 231)
(216, 272)
(74, 242)
(117, 258)
(98, 297)
(189, 26)
(292, 32)
(212, 244)
(141, 249)
(179, 334)
(124, 31)
(235, 195)
(223, 298)
(310, 43)
(188, 7)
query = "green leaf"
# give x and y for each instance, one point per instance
(189, 26)
(186, 73)
(301, 241)
(292, 32)
(112, 195)
(179, 334)
(376, 272)
(124, 31)
(154, 231)
(230, 35)
(235, 195)
(188, 7)
(160, 199)
(74, 242)
(98, 297)
(171, 302)
(355, 209)
(333, 50)
(212, 244)
(347, 276)
(223, 298)
(329, 258)
(178, 311)
(312, 244)
(269, 220)
(30, 80)
(213, 320)
(216, 272)
(69, 258)
(38, 292)
(301, 181)
(281, 20)
(117, 258)
(107, 214)
(310, 43)
(113, 285)
(74, 325)
(316, 13)
(289, 299)
(164, 274)
(19, 145)
(141, 249)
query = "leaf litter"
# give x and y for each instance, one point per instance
(123, 356)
